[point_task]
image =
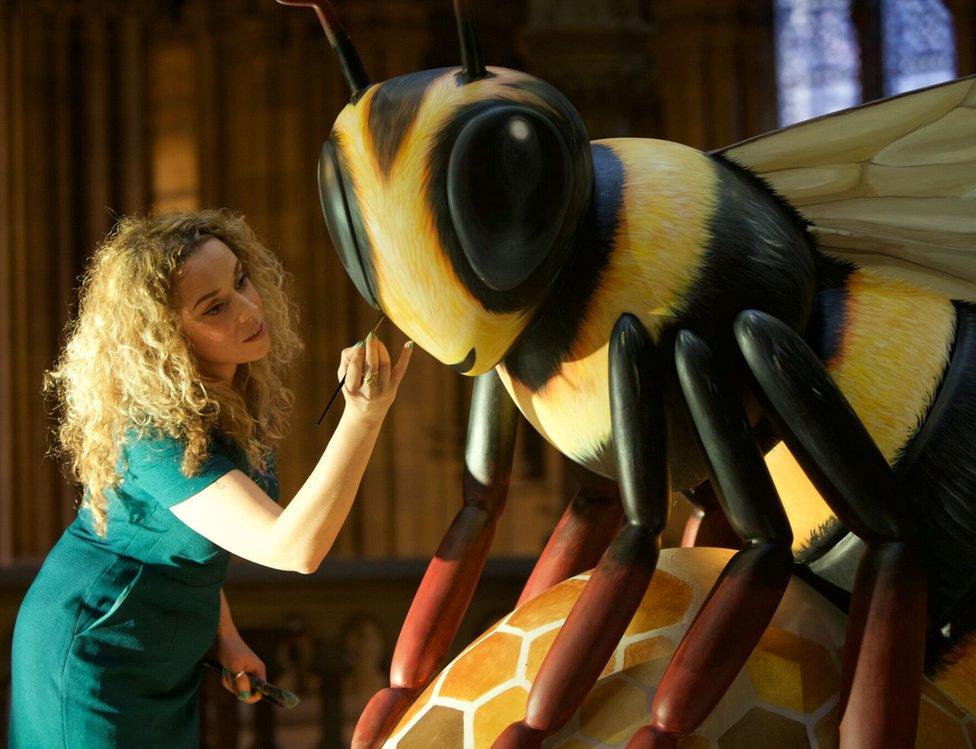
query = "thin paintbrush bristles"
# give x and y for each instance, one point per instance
(342, 382)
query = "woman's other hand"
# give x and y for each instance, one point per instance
(238, 661)
(371, 382)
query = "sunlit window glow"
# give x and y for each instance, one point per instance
(817, 58)
(919, 44)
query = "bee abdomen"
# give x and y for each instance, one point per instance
(938, 471)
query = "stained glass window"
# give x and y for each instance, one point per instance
(817, 58)
(918, 43)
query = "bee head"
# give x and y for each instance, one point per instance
(452, 196)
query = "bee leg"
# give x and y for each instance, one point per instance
(708, 524)
(450, 580)
(744, 598)
(600, 616)
(885, 640)
(584, 531)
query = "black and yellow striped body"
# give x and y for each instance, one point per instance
(680, 240)
(677, 238)
(905, 358)
(886, 344)
(660, 250)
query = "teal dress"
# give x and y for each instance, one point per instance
(109, 640)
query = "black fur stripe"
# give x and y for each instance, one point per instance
(939, 474)
(759, 256)
(538, 353)
(393, 109)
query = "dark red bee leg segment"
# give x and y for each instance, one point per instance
(450, 580)
(745, 596)
(708, 525)
(583, 533)
(588, 637)
(884, 649)
(601, 614)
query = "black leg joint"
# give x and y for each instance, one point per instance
(822, 430)
(737, 469)
(492, 428)
(638, 423)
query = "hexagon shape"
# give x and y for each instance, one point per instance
(651, 650)
(547, 607)
(416, 707)
(491, 662)
(540, 647)
(537, 652)
(760, 727)
(495, 715)
(933, 721)
(665, 602)
(613, 711)
(440, 726)
(793, 672)
(827, 730)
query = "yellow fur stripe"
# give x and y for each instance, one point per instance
(894, 349)
(668, 198)
(806, 509)
(895, 346)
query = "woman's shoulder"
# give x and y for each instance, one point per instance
(156, 446)
(151, 442)
(152, 461)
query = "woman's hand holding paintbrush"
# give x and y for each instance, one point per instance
(271, 693)
(367, 379)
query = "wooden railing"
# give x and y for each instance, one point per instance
(326, 636)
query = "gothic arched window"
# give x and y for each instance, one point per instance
(818, 59)
(919, 48)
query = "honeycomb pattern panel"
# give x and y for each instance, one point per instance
(787, 694)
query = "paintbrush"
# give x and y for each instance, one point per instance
(342, 382)
(274, 695)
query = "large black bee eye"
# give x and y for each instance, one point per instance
(509, 183)
(341, 217)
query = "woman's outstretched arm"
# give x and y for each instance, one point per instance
(236, 514)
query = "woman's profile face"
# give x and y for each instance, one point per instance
(220, 310)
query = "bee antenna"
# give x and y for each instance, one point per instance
(349, 62)
(471, 63)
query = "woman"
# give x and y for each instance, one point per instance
(171, 397)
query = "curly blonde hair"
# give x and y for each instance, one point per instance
(128, 367)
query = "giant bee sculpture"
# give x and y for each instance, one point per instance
(663, 316)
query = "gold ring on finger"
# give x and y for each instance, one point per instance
(240, 673)
(371, 379)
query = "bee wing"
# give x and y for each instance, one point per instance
(889, 185)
